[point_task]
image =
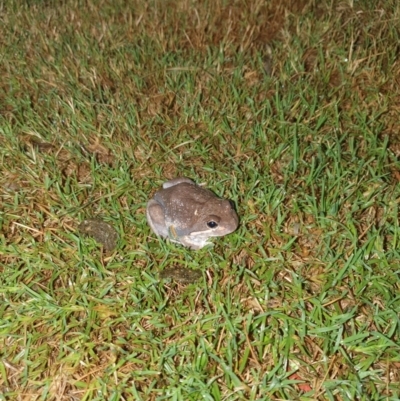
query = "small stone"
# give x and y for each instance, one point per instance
(101, 231)
(181, 274)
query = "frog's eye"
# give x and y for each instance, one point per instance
(212, 224)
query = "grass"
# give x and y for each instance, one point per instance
(290, 110)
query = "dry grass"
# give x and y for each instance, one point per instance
(291, 109)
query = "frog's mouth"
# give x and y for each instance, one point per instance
(218, 232)
(173, 234)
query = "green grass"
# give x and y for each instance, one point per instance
(291, 111)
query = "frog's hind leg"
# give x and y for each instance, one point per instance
(176, 181)
(156, 218)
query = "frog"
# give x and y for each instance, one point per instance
(189, 214)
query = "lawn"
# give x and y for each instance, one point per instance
(290, 109)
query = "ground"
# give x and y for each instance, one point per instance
(290, 109)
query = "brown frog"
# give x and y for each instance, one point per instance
(190, 215)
